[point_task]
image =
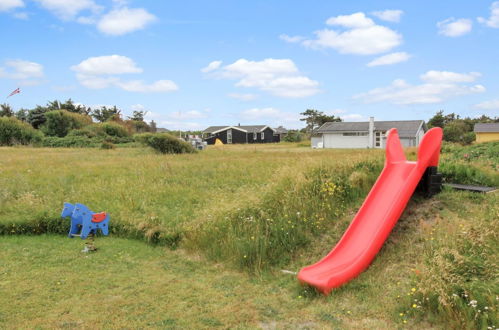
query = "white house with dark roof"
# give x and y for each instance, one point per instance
(370, 134)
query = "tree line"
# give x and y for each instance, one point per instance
(457, 129)
(37, 116)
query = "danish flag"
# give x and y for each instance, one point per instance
(16, 91)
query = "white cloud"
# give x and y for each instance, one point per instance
(102, 71)
(290, 39)
(270, 116)
(6, 5)
(67, 10)
(389, 15)
(212, 66)
(433, 76)
(181, 125)
(111, 64)
(493, 20)
(488, 105)
(124, 20)
(21, 70)
(243, 97)
(21, 15)
(279, 77)
(139, 86)
(357, 20)
(389, 59)
(362, 36)
(437, 87)
(452, 27)
(187, 115)
(353, 117)
(137, 107)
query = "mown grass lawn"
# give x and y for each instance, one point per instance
(46, 282)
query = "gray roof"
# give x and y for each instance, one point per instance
(486, 128)
(247, 128)
(280, 130)
(406, 128)
(212, 129)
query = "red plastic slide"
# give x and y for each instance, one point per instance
(378, 214)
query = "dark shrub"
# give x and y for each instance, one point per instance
(60, 122)
(13, 131)
(107, 145)
(70, 142)
(114, 129)
(293, 136)
(164, 143)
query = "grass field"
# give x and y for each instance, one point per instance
(219, 209)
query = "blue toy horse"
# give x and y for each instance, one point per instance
(84, 221)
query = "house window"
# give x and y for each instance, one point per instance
(355, 134)
(254, 136)
(262, 135)
(229, 136)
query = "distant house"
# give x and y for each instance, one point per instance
(486, 132)
(280, 133)
(371, 134)
(239, 134)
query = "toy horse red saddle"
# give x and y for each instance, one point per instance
(99, 217)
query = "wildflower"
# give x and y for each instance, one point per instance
(299, 297)
(405, 321)
(401, 314)
(244, 256)
(348, 312)
(414, 305)
(413, 289)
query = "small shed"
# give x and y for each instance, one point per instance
(486, 132)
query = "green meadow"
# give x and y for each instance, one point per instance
(212, 239)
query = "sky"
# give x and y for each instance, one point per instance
(193, 64)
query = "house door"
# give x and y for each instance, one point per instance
(229, 136)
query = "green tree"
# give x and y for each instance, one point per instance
(22, 115)
(152, 126)
(6, 110)
(106, 114)
(438, 120)
(138, 115)
(60, 122)
(455, 131)
(36, 116)
(314, 119)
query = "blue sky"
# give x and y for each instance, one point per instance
(192, 64)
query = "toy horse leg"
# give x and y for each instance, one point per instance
(105, 226)
(85, 230)
(74, 228)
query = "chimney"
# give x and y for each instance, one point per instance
(371, 132)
